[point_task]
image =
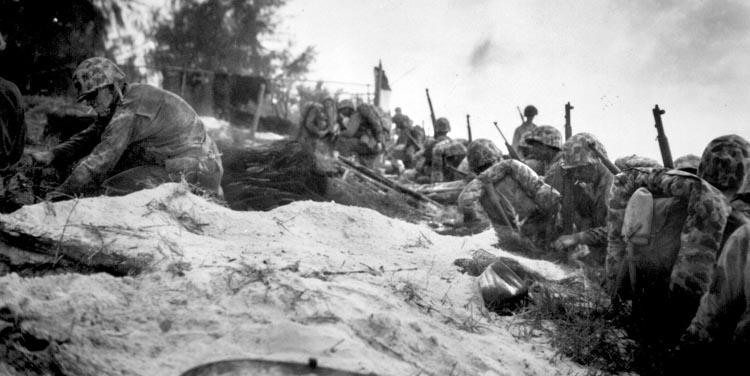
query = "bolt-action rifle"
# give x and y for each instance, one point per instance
(523, 120)
(666, 154)
(511, 151)
(568, 127)
(432, 112)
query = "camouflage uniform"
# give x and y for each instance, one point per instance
(723, 316)
(319, 126)
(12, 125)
(590, 198)
(445, 155)
(724, 164)
(365, 135)
(707, 214)
(481, 154)
(151, 136)
(525, 195)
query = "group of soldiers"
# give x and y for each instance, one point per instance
(686, 277)
(691, 288)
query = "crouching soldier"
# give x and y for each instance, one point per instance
(143, 136)
(667, 228)
(446, 157)
(364, 132)
(319, 127)
(586, 193)
(515, 199)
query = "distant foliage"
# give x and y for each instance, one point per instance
(229, 36)
(47, 39)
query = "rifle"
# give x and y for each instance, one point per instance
(468, 126)
(432, 112)
(605, 161)
(511, 150)
(666, 154)
(523, 120)
(568, 127)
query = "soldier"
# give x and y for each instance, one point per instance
(409, 140)
(543, 147)
(590, 190)
(720, 330)
(523, 196)
(12, 125)
(446, 157)
(319, 127)
(674, 265)
(143, 136)
(721, 326)
(519, 135)
(363, 132)
(442, 127)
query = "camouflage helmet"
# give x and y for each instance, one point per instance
(452, 148)
(725, 161)
(482, 153)
(442, 125)
(346, 103)
(576, 151)
(632, 161)
(95, 73)
(545, 135)
(530, 111)
(688, 163)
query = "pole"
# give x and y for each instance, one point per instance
(256, 116)
(378, 78)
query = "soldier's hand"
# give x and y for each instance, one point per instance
(43, 157)
(564, 242)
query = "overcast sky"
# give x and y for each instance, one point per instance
(613, 60)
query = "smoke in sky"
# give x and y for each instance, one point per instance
(701, 42)
(480, 53)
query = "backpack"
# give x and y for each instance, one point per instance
(665, 231)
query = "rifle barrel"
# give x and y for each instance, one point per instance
(666, 153)
(468, 126)
(511, 149)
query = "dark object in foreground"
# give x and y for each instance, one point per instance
(248, 367)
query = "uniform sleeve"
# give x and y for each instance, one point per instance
(79, 145)
(721, 307)
(468, 200)
(104, 157)
(596, 236)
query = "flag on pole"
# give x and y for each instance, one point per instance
(382, 89)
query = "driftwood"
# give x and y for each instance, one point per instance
(284, 171)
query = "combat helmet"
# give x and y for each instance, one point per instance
(545, 135)
(688, 163)
(632, 161)
(577, 153)
(482, 153)
(530, 111)
(725, 161)
(442, 125)
(95, 73)
(345, 103)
